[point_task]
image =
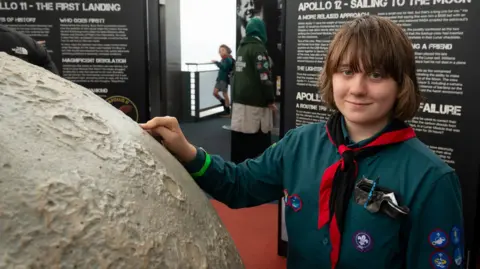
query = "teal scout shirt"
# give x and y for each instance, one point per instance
(224, 69)
(430, 237)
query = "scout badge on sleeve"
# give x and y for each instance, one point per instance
(440, 260)
(374, 198)
(438, 238)
(455, 235)
(458, 256)
(456, 239)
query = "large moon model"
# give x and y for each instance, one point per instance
(83, 186)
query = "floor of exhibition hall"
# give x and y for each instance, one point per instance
(254, 231)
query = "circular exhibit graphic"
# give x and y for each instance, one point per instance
(125, 105)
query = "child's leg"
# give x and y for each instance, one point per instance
(223, 87)
(226, 104)
(215, 93)
(226, 98)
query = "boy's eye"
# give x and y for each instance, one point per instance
(375, 75)
(347, 72)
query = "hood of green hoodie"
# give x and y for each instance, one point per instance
(256, 28)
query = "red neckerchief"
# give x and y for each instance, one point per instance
(338, 180)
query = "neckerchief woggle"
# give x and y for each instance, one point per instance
(338, 180)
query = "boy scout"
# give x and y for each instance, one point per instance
(362, 191)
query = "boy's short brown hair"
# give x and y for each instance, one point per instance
(227, 48)
(374, 43)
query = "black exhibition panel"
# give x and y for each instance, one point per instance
(99, 45)
(444, 34)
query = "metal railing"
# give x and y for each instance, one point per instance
(198, 83)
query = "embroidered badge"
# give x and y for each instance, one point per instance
(295, 202)
(455, 235)
(440, 260)
(438, 238)
(458, 256)
(292, 201)
(362, 241)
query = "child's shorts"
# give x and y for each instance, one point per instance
(221, 86)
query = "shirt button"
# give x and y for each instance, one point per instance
(325, 241)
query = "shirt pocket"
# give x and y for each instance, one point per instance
(370, 238)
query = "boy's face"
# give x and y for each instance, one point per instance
(364, 98)
(222, 51)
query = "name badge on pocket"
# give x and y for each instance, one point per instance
(375, 199)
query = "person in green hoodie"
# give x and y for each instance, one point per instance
(252, 95)
(361, 190)
(225, 67)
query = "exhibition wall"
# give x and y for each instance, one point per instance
(95, 45)
(117, 48)
(170, 47)
(445, 35)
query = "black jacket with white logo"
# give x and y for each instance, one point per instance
(26, 48)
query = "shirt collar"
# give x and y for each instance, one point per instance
(351, 144)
